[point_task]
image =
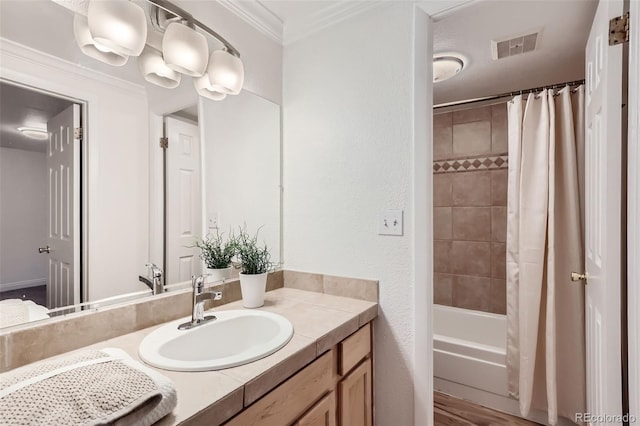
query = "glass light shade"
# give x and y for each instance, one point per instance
(203, 87)
(154, 70)
(185, 50)
(88, 46)
(445, 67)
(118, 25)
(226, 72)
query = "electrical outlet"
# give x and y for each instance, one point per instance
(213, 220)
(390, 222)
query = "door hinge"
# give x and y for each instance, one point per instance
(619, 30)
(77, 132)
(164, 143)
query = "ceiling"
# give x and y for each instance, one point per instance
(21, 107)
(558, 58)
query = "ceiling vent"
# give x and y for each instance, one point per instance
(515, 45)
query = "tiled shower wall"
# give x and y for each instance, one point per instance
(470, 199)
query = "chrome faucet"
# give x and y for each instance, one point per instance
(198, 298)
(155, 280)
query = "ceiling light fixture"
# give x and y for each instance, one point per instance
(446, 66)
(34, 133)
(173, 44)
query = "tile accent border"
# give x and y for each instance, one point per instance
(471, 164)
(354, 288)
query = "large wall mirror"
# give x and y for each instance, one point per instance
(82, 214)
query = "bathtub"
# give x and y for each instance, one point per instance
(469, 360)
(469, 348)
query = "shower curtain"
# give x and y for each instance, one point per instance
(545, 217)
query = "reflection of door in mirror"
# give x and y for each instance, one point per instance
(39, 203)
(183, 199)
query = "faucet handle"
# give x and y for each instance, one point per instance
(198, 280)
(156, 272)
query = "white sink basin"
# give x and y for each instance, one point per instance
(236, 337)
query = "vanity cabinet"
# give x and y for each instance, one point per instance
(334, 390)
(355, 385)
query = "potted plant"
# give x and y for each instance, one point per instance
(217, 255)
(255, 262)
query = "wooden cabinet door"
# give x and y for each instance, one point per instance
(355, 397)
(321, 414)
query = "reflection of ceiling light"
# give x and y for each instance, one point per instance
(226, 72)
(33, 133)
(204, 88)
(446, 66)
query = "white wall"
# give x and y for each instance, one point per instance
(348, 154)
(23, 218)
(241, 145)
(118, 169)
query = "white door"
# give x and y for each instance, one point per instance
(183, 201)
(63, 160)
(603, 182)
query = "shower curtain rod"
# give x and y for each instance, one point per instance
(509, 94)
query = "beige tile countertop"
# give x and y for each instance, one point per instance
(319, 320)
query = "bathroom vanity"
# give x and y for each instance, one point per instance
(322, 376)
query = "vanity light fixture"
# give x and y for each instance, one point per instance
(185, 50)
(446, 66)
(118, 26)
(88, 45)
(155, 70)
(226, 72)
(204, 88)
(34, 133)
(174, 43)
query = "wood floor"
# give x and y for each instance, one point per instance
(457, 412)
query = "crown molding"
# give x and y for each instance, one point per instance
(258, 16)
(333, 13)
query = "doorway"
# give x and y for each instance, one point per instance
(41, 156)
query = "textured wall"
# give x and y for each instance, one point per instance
(470, 198)
(348, 155)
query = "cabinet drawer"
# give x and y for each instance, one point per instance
(353, 349)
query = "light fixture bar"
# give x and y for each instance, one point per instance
(178, 11)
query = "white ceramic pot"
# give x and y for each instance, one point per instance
(219, 274)
(253, 288)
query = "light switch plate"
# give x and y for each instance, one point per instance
(390, 222)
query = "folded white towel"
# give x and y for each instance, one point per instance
(88, 388)
(18, 311)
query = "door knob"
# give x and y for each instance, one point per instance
(46, 249)
(578, 277)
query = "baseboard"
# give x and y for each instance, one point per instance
(22, 284)
(492, 400)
